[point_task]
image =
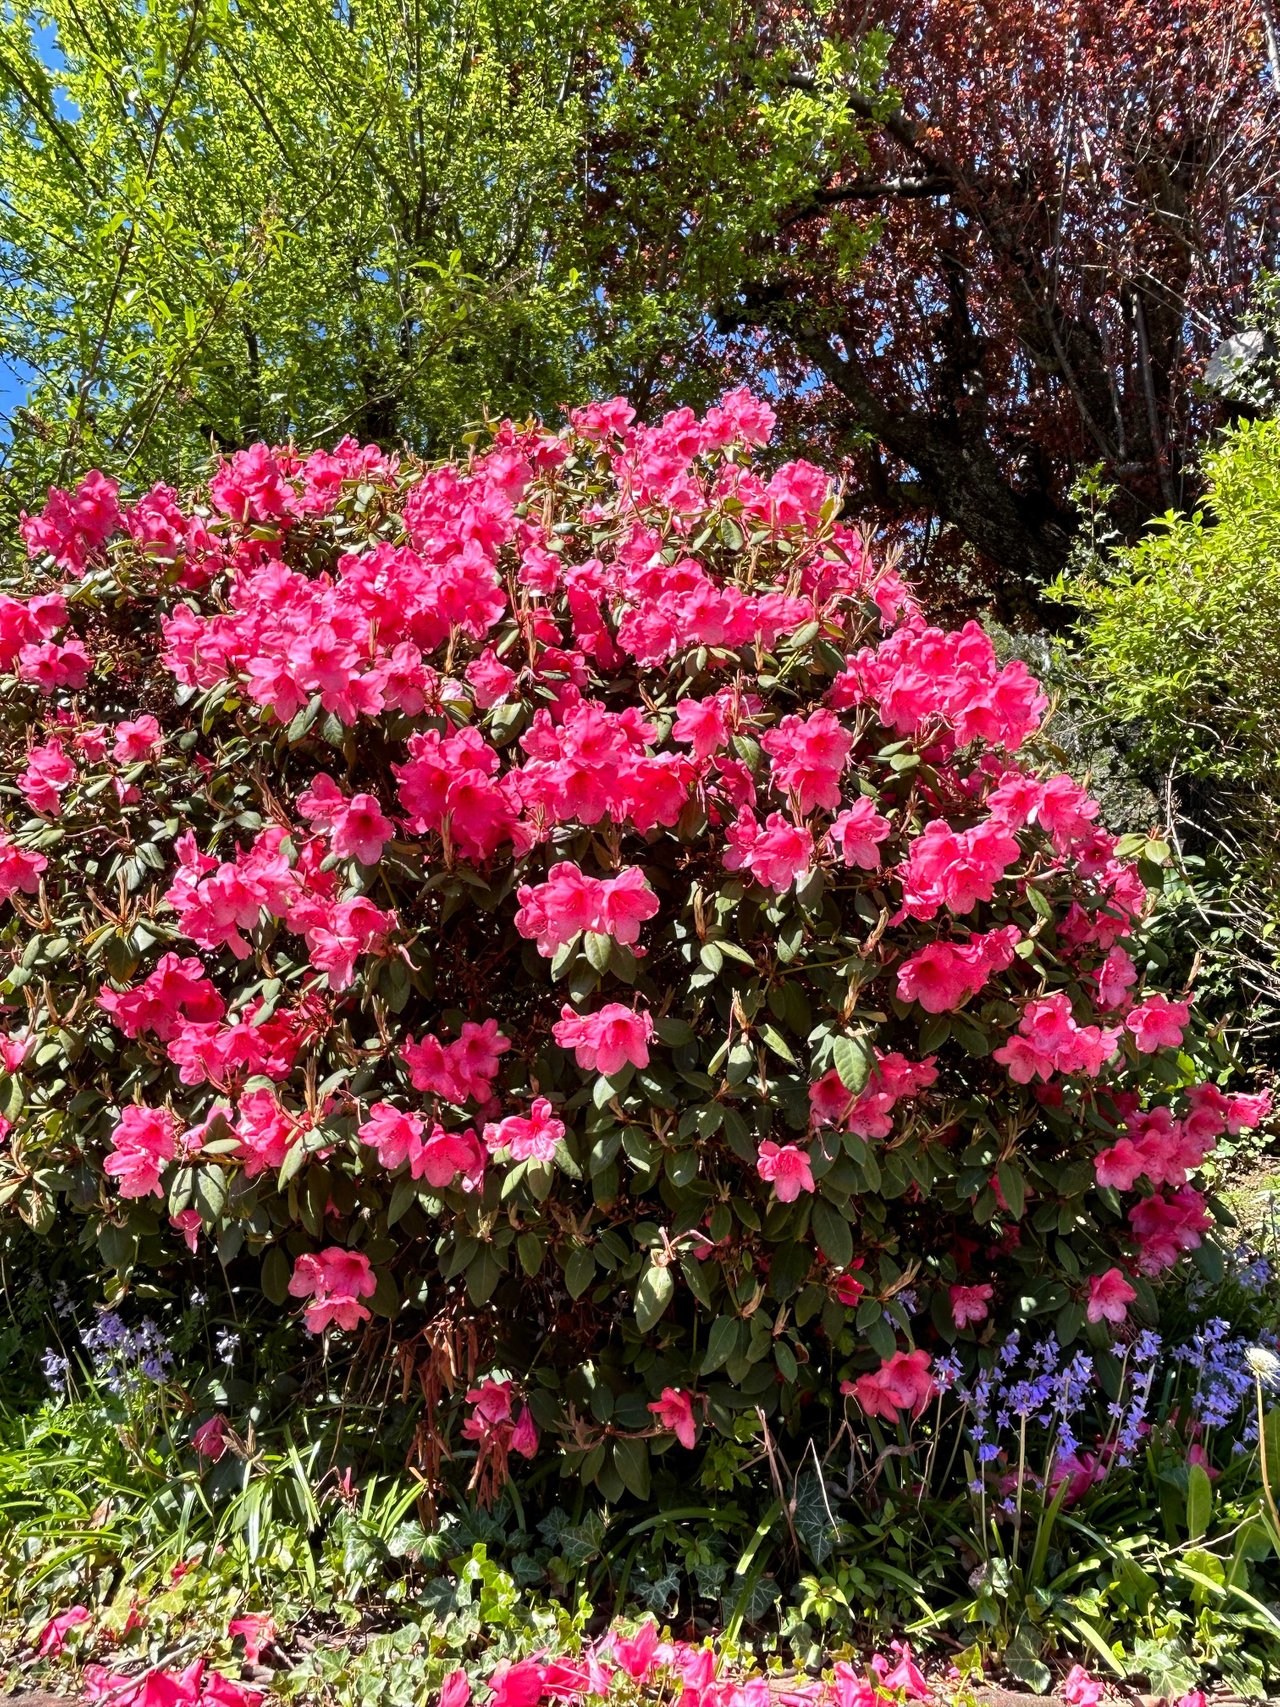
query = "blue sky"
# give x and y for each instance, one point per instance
(14, 376)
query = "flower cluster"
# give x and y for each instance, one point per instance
(573, 885)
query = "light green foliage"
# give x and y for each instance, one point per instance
(225, 220)
(231, 220)
(1182, 631)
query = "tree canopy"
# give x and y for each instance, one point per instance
(975, 253)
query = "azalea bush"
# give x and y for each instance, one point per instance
(569, 903)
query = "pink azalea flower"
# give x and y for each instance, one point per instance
(138, 740)
(53, 1638)
(197, 1686)
(19, 870)
(335, 1280)
(1110, 1296)
(144, 1140)
(210, 1439)
(969, 1304)
(674, 1411)
(787, 1167)
(1157, 1023)
(455, 1691)
(1081, 1690)
(905, 1675)
(607, 1040)
(361, 830)
(902, 1383)
(257, 1630)
(856, 834)
(529, 1138)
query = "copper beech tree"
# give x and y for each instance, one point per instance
(1010, 270)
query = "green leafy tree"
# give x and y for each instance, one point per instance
(1181, 648)
(224, 221)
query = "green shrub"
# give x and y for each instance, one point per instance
(568, 902)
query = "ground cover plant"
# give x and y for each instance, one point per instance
(568, 904)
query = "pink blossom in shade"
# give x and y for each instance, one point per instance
(322, 802)
(1244, 1110)
(1120, 1165)
(775, 855)
(516, 1683)
(1194, 1697)
(1157, 1023)
(606, 1041)
(335, 1280)
(19, 870)
(700, 725)
(531, 1137)
(524, 1436)
(455, 1691)
(1166, 1226)
(1081, 1690)
(969, 1304)
(137, 741)
(210, 1439)
(394, 1135)
(809, 754)
(902, 1383)
(189, 1224)
(257, 1630)
(53, 1638)
(473, 1058)
(786, 1167)
(49, 774)
(1115, 977)
(849, 1290)
(856, 833)
(144, 1140)
(447, 1158)
(1110, 1296)
(674, 1410)
(490, 1405)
